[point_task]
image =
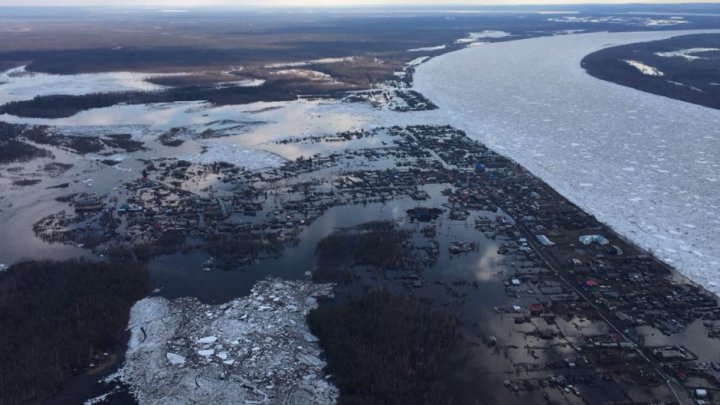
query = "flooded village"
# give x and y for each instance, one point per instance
(310, 229)
(552, 305)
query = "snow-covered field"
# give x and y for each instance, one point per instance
(648, 166)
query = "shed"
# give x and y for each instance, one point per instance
(544, 240)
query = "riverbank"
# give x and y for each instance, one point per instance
(642, 164)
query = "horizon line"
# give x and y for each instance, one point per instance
(381, 4)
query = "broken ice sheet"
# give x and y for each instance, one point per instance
(256, 349)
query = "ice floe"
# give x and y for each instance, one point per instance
(252, 350)
(175, 359)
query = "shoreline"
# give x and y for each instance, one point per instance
(489, 135)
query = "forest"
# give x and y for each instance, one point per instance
(63, 106)
(57, 317)
(13, 150)
(82, 144)
(377, 244)
(384, 349)
(693, 79)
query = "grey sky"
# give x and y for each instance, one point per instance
(195, 3)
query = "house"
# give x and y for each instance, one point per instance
(590, 239)
(544, 240)
(591, 283)
(88, 204)
(701, 393)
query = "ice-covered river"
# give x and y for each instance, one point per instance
(648, 166)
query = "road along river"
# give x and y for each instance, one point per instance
(647, 165)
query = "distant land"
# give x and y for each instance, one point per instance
(685, 68)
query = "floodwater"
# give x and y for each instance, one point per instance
(632, 159)
(568, 142)
(646, 165)
(18, 84)
(245, 135)
(181, 275)
(255, 127)
(469, 283)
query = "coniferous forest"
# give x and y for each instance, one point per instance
(55, 317)
(385, 349)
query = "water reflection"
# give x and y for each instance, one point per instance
(18, 84)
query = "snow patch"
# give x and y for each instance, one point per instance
(322, 61)
(476, 36)
(243, 83)
(643, 68)
(428, 48)
(652, 22)
(639, 21)
(687, 54)
(306, 74)
(418, 61)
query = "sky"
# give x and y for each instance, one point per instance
(201, 3)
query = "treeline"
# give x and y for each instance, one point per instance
(10, 131)
(56, 316)
(78, 144)
(385, 349)
(62, 106)
(13, 150)
(82, 144)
